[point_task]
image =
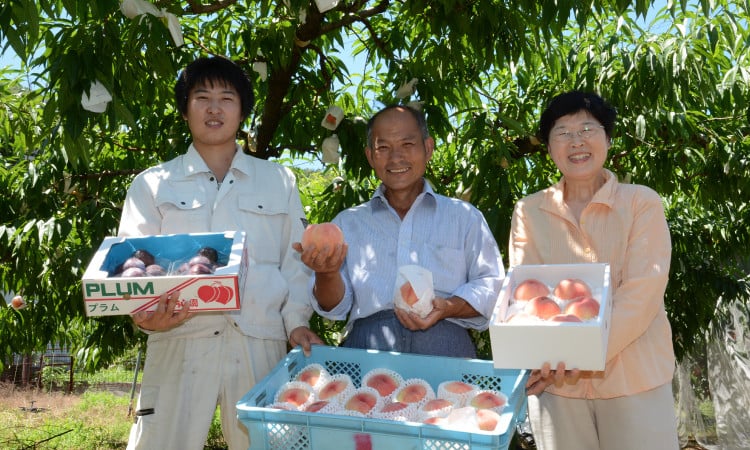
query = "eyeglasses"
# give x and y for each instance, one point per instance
(585, 133)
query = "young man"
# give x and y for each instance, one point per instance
(406, 222)
(196, 361)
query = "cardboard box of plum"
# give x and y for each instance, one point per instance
(127, 275)
(345, 398)
(552, 313)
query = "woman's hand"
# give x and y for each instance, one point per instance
(541, 378)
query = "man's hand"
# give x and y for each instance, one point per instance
(442, 308)
(304, 337)
(541, 378)
(324, 259)
(165, 317)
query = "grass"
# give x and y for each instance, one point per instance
(93, 420)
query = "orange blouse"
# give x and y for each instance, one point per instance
(623, 225)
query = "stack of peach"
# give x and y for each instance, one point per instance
(384, 394)
(570, 301)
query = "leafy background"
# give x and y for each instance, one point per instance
(485, 68)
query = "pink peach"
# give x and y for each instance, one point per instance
(564, 318)
(413, 393)
(322, 234)
(408, 294)
(295, 396)
(572, 288)
(362, 402)
(309, 376)
(458, 387)
(584, 308)
(530, 288)
(383, 383)
(436, 404)
(487, 400)
(542, 307)
(317, 406)
(394, 407)
(332, 389)
(487, 419)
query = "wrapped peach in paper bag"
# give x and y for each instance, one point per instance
(414, 290)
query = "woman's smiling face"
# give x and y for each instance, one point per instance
(578, 145)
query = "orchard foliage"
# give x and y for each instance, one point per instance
(484, 69)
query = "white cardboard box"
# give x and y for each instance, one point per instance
(528, 345)
(106, 294)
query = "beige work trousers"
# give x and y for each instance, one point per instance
(644, 421)
(185, 379)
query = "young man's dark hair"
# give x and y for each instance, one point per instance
(215, 69)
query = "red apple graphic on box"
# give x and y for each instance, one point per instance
(215, 292)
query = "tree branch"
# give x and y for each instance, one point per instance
(196, 7)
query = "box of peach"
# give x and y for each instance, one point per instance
(552, 313)
(128, 274)
(342, 398)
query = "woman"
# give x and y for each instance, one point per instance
(590, 217)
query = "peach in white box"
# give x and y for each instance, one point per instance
(128, 274)
(567, 321)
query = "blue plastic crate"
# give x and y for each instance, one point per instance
(272, 429)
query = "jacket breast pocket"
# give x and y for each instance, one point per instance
(183, 209)
(267, 227)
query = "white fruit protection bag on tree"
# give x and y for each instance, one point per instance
(414, 290)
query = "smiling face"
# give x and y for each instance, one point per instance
(214, 114)
(399, 152)
(577, 157)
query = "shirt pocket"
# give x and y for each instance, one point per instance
(183, 208)
(448, 266)
(266, 224)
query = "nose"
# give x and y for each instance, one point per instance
(213, 105)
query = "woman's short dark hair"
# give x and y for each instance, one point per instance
(210, 70)
(573, 102)
(417, 114)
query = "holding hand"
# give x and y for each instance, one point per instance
(164, 317)
(541, 378)
(324, 259)
(305, 338)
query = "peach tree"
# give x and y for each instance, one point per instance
(481, 70)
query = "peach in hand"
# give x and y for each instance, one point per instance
(585, 308)
(530, 288)
(321, 235)
(542, 307)
(408, 294)
(572, 288)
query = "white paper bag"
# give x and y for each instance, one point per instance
(414, 290)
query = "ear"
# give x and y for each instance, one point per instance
(368, 155)
(429, 145)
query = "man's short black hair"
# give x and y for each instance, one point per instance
(210, 70)
(573, 102)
